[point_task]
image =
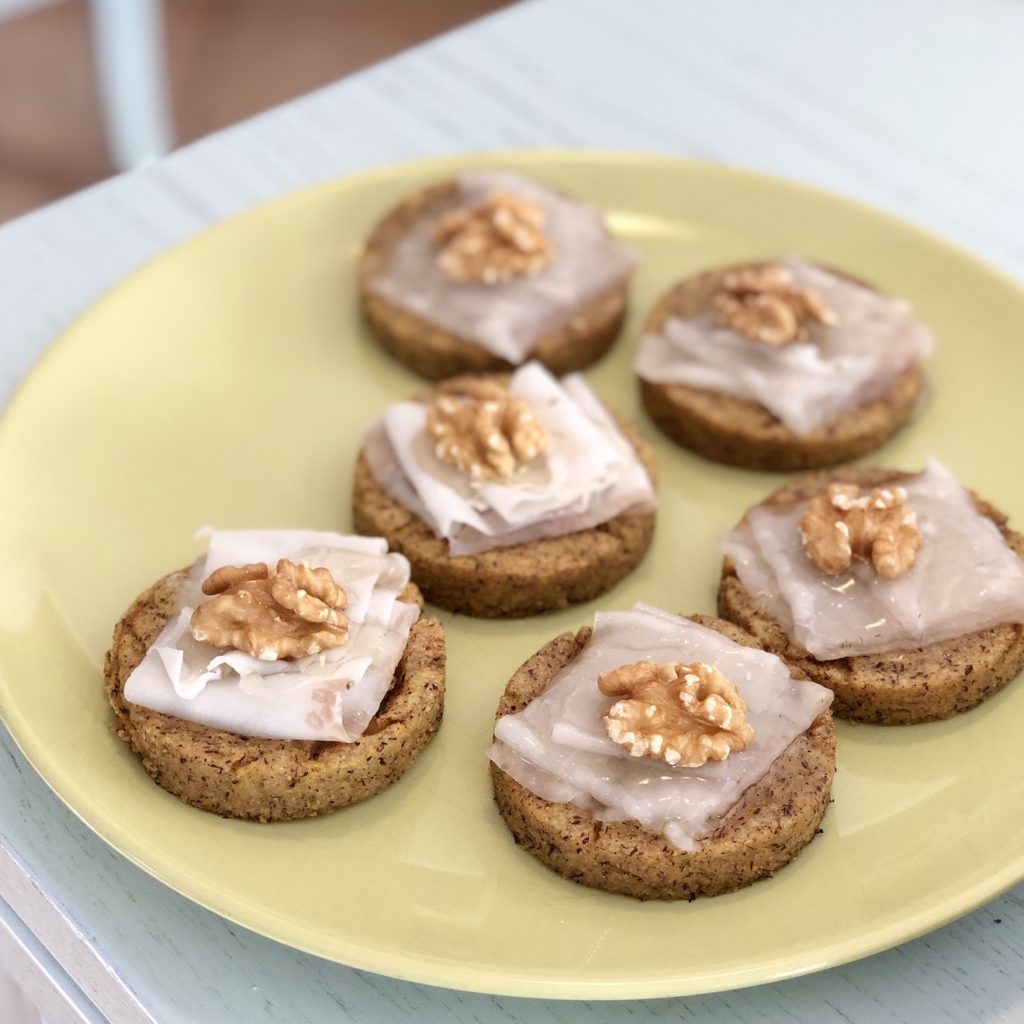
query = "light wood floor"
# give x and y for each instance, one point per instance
(227, 59)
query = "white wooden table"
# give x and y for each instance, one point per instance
(912, 105)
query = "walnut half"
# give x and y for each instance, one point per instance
(763, 304)
(498, 240)
(880, 528)
(484, 430)
(684, 715)
(271, 612)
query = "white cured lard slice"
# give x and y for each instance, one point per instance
(328, 696)
(966, 578)
(557, 746)
(841, 367)
(589, 474)
(508, 318)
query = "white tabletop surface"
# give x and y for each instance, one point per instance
(911, 105)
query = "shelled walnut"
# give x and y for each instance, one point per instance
(685, 715)
(880, 528)
(762, 303)
(272, 612)
(498, 240)
(485, 431)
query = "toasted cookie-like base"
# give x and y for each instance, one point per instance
(274, 780)
(509, 582)
(901, 687)
(772, 822)
(743, 433)
(433, 352)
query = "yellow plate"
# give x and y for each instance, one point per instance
(228, 382)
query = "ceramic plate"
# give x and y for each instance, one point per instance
(228, 382)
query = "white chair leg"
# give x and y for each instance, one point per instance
(128, 42)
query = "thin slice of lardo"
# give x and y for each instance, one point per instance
(965, 579)
(328, 696)
(558, 748)
(842, 366)
(588, 475)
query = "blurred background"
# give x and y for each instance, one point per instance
(214, 62)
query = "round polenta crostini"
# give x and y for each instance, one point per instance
(780, 366)
(510, 496)
(485, 271)
(265, 717)
(902, 593)
(694, 772)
